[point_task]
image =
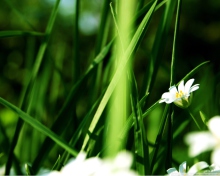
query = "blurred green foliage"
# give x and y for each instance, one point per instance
(199, 41)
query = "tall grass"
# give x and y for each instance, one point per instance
(107, 107)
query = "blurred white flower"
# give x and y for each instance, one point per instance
(180, 97)
(182, 169)
(214, 168)
(119, 166)
(204, 141)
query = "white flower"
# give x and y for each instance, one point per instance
(204, 141)
(182, 169)
(180, 97)
(214, 168)
(119, 166)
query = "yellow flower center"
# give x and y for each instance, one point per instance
(179, 94)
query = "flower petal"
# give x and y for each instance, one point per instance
(188, 85)
(123, 160)
(173, 90)
(181, 86)
(193, 88)
(172, 172)
(199, 142)
(182, 168)
(214, 124)
(197, 167)
(214, 168)
(167, 98)
(215, 158)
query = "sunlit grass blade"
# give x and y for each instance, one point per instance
(38, 126)
(28, 169)
(116, 26)
(57, 164)
(4, 34)
(203, 117)
(95, 88)
(129, 51)
(60, 123)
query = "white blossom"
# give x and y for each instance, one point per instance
(192, 171)
(205, 141)
(95, 166)
(180, 97)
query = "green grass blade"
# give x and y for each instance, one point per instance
(141, 13)
(130, 121)
(140, 140)
(172, 81)
(95, 89)
(203, 117)
(159, 138)
(130, 50)
(76, 58)
(79, 132)
(172, 75)
(4, 34)
(116, 26)
(140, 4)
(44, 45)
(193, 71)
(5, 144)
(99, 42)
(180, 129)
(158, 47)
(60, 123)
(28, 89)
(38, 126)
(19, 14)
(168, 159)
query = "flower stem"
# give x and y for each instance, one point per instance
(194, 120)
